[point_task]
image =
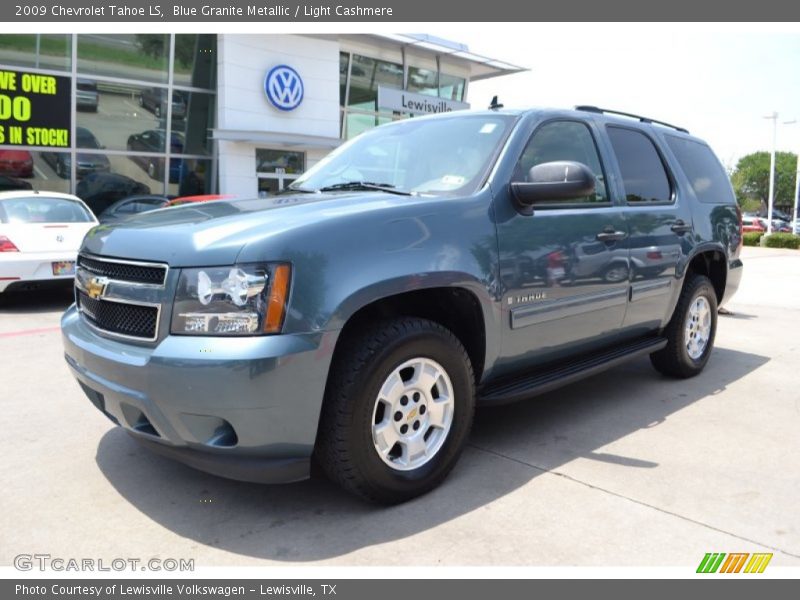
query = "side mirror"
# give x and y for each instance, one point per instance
(553, 181)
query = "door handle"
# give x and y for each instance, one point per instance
(609, 234)
(680, 227)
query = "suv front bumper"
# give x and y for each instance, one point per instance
(245, 408)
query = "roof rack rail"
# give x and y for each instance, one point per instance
(642, 119)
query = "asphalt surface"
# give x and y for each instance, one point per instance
(626, 468)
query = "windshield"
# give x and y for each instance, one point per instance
(429, 156)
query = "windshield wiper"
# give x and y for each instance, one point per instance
(364, 185)
(291, 188)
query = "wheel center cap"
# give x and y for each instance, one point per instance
(412, 413)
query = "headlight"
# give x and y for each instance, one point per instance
(237, 300)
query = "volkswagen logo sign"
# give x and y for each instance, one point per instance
(284, 87)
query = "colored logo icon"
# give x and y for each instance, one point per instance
(716, 562)
(284, 87)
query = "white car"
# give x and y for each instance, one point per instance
(40, 234)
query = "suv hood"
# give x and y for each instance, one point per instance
(214, 233)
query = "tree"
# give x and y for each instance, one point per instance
(750, 179)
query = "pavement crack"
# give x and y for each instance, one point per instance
(634, 500)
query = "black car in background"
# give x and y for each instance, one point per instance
(100, 190)
(60, 162)
(8, 184)
(153, 140)
(154, 99)
(132, 205)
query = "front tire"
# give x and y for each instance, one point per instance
(398, 409)
(691, 331)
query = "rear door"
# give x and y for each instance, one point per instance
(659, 218)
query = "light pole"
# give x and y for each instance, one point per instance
(774, 118)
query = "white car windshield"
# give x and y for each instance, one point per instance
(440, 156)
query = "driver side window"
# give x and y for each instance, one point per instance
(564, 140)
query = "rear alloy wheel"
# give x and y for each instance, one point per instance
(398, 409)
(690, 333)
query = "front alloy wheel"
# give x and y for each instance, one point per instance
(398, 408)
(413, 414)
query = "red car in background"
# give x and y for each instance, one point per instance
(16, 163)
(753, 224)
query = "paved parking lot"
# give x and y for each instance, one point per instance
(626, 468)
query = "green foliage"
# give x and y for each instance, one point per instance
(782, 240)
(752, 238)
(156, 45)
(751, 178)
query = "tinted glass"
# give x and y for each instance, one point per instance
(192, 116)
(39, 209)
(195, 60)
(564, 140)
(279, 161)
(704, 172)
(43, 171)
(643, 173)
(344, 61)
(422, 81)
(366, 74)
(451, 87)
(142, 56)
(42, 51)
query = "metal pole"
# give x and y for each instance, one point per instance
(774, 117)
(795, 216)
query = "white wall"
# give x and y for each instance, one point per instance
(242, 105)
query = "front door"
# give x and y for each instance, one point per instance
(564, 269)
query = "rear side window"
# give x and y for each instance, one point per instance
(42, 210)
(708, 179)
(643, 173)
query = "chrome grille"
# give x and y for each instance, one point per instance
(120, 318)
(124, 271)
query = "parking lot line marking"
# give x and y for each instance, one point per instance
(40, 172)
(29, 331)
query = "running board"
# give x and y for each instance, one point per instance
(560, 374)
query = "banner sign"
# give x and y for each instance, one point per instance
(416, 104)
(34, 109)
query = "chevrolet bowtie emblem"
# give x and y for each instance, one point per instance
(96, 286)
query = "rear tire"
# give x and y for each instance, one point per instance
(691, 330)
(397, 412)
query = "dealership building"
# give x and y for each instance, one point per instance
(89, 114)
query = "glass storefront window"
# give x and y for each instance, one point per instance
(366, 74)
(189, 177)
(121, 111)
(279, 161)
(142, 56)
(40, 51)
(451, 87)
(422, 81)
(192, 115)
(195, 60)
(101, 188)
(356, 123)
(344, 62)
(24, 170)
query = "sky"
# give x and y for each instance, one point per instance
(716, 81)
